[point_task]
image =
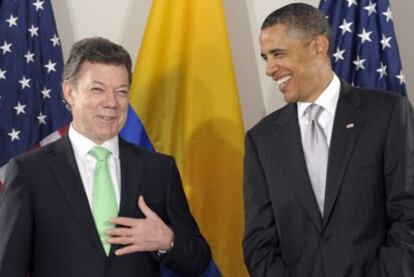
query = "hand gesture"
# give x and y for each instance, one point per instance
(145, 234)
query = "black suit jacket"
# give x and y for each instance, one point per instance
(47, 228)
(367, 228)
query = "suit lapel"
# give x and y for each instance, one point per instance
(289, 150)
(63, 165)
(132, 167)
(346, 129)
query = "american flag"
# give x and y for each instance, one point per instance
(364, 46)
(31, 108)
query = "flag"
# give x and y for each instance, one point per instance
(31, 108)
(364, 45)
(184, 92)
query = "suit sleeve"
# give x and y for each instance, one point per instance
(396, 255)
(16, 225)
(260, 243)
(190, 255)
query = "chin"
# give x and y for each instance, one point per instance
(105, 137)
(289, 99)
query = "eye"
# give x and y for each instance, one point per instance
(278, 55)
(96, 89)
(264, 57)
(122, 92)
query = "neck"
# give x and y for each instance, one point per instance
(325, 80)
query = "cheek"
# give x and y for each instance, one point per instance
(303, 73)
(123, 104)
(86, 110)
(123, 110)
(307, 67)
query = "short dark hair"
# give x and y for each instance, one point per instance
(306, 19)
(95, 50)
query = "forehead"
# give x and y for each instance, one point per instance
(278, 35)
(102, 72)
(275, 30)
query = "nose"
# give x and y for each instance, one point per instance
(271, 67)
(111, 100)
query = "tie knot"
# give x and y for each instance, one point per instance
(313, 112)
(100, 153)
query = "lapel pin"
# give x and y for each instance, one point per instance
(350, 125)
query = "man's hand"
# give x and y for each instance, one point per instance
(147, 234)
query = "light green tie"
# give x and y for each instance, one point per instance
(104, 205)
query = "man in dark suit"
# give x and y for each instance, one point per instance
(60, 203)
(329, 178)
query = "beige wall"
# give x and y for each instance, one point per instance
(403, 22)
(123, 21)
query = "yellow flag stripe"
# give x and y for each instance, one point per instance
(184, 92)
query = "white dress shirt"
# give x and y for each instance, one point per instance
(86, 163)
(329, 100)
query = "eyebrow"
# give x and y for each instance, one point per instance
(275, 51)
(97, 82)
(102, 84)
(123, 86)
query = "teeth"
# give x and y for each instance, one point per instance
(283, 80)
(106, 118)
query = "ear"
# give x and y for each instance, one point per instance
(68, 92)
(321, 44)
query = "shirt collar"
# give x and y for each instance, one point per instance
(83, 145)
(328, 98)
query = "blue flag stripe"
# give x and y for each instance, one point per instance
(134, 131)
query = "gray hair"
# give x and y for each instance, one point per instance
(95, 50)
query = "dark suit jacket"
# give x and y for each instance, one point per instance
(367, 228)
(47, 227)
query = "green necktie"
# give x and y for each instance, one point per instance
(104, 205)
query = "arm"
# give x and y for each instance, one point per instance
(190, 254)
(260, 243)
(15, 224)
(396, 256)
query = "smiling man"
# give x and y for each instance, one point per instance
(329, 178)
(91, 204)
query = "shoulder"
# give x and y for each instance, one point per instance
(32, 164)
(272, 121)
(372, 97)
(38, 154)
(136, 150)
(372, 104)
(156, 166)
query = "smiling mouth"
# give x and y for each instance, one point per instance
(282, 82)
(106, 118)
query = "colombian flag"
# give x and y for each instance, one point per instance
(184, 94)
